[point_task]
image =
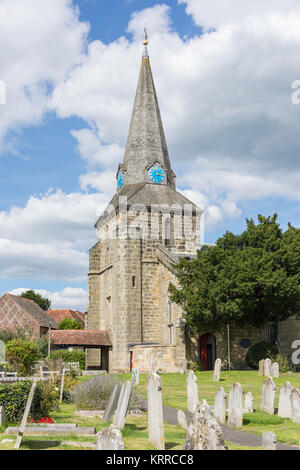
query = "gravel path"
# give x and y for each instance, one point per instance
(231, 435)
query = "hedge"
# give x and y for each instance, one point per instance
(64, 355)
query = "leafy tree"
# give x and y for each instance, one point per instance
(21, 354)
(69, 324)
(249, 278)
(43, 302)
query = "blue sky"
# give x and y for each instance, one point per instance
(223, 74)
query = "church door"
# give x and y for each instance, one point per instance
(208, 351)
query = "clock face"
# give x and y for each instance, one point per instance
(157, 174)
(120, 179)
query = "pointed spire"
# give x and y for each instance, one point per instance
(146, 144)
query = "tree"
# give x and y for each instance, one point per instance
(249, 278)
(43, 302)
(69, 324)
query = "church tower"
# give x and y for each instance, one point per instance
(146, 227)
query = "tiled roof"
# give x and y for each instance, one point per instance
(35, 311)
(81, 337)
(60, 314)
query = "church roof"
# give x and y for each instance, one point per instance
(146, 143)
(33, 309)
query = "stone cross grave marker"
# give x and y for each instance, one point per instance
(267, 367)
(192, 392)
(236, 405)
(110, 439)
(25, 415)
(268, 396)
(284, 403)
(204, 433)
(261, 367)
(153, 364)
(181, 419)
(155, 412)
(123, 405)
(220, 406)
(112, 403)
(295, 405)
(217, 370)
(275, 370)
(248, 404)
(269, 441)
(2, 352)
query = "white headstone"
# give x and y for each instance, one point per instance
(284, 403)
(2, 415)
(268, 396)
(110, 439)
(123, 404)
(275, 370)
(248, 404)
(267, 367)
(269, 441)
(220, 406)
(261, 367)
(155, 412)
(236, 405)
(295, 405)
(135, 377)
(204, 433)
(112, 403)
(181, 419)
(217, 370)
(192, 392)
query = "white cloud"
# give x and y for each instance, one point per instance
(73, 298)
(40, 41)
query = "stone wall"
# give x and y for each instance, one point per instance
(167, 358)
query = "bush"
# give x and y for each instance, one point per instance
(95, 393)
(14, 398)
(21, 354)
(283, 362)
(69, 356)
(259, 351)
(69, 324)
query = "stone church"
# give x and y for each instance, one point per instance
(144, 230)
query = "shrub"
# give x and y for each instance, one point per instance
(260, 351)
(283, 362)
(14, 398)
(95, 393)
(69, 356)
(69, 324)
(21, 354)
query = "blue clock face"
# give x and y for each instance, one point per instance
(157, 174)
(120, 179)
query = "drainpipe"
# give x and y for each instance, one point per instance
(228, 346)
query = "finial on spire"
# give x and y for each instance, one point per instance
(145, 54)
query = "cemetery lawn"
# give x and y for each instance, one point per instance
(174, 396)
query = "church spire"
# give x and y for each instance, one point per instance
(146, 158)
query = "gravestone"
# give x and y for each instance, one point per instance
(2, 352)
(62, 385)
(248, 404)
(267, 367)
(217, 370)
(110, 439)
(153, 364)
(181, 419)
(206, 408)
(25, 415)
(236, 405)
(112, 403)
(135, 378)
(275, 370)
(192, 392)
(295, 405)
(123, 404)
(284, 403)
(2, 415)
(204, 433)
(220, 406)
(155, 412)
(268, 396)
(269, 441)
(261, 367)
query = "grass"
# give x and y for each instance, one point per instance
(135, 433)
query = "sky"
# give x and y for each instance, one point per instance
(226, 77)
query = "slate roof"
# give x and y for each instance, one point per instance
(81, 338)
(35, 311)
(59, 314)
